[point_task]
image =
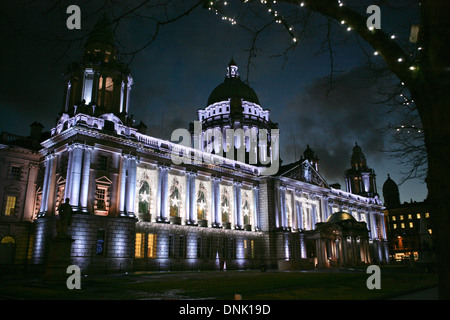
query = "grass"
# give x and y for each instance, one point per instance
(252, 285)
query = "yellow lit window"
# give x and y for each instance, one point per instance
(401, 217)
(151, 245)
(394, 218)
(403, 226)
(409, 216)
(427, 215)
(430, 231)
(418, 216)
(411, 225)
(10, 207)
(395, 226)
(139, 248)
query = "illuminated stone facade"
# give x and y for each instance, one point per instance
(135, 209)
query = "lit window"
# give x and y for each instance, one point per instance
(8, 240)
(401, 217)
(427, 215)
(101, 199)
(430, 231)
(151, 245)
(403, 226)
(411, 225)
(409, 216)
(139, 248)
(394, 218)
(418, 216)
(394, 225)
(10, 207)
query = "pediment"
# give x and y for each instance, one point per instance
(307, 173)
(13, 189)
(103, 180)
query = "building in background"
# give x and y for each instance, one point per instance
(136, 209)
(409, 226)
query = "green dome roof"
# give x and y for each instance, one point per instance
(232, 87)
(340, 216)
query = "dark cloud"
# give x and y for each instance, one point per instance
(332, 121)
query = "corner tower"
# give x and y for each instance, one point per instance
(100, 83)
(360, 179)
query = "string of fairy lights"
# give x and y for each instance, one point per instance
(217, 6)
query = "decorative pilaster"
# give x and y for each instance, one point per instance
(163, 186)
(123, 179)
(192, 201)
(256, 209)
(85, 178)
(283, 206)
(76, 176)
(237, 205)
(131, 186)
(46, 185)
(216, 202)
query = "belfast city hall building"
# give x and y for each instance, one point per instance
(222, 201)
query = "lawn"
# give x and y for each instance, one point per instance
(251, 285)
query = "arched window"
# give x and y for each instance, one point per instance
(174, 199)
(225, 207)
(144, 198)
(201, 203)
(246, 212)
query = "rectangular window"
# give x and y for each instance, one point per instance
(394, 218)
(418, 216)
(401, 217)
(181, 247)
(395, 226)
(139, 248)
(101, 197)
(15, 172)
(171, 245)
(411, 225)
(103, 163)
(410, 216)
(10, 208)
(151, 245)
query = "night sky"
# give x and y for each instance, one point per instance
(174, 76)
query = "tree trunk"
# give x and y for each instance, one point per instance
(434, 111)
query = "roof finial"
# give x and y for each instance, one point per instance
(232, 69)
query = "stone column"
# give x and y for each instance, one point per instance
(217, 219)
(237, 205)
(164, 193)
(256, 205)
(131, 186)
(283, 206)
(85, 179)
(123, 179)
(68, 187)
(75, 182)
(46, 185)
(192, 199)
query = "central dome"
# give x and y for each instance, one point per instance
(340, 216)
(233, 87)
